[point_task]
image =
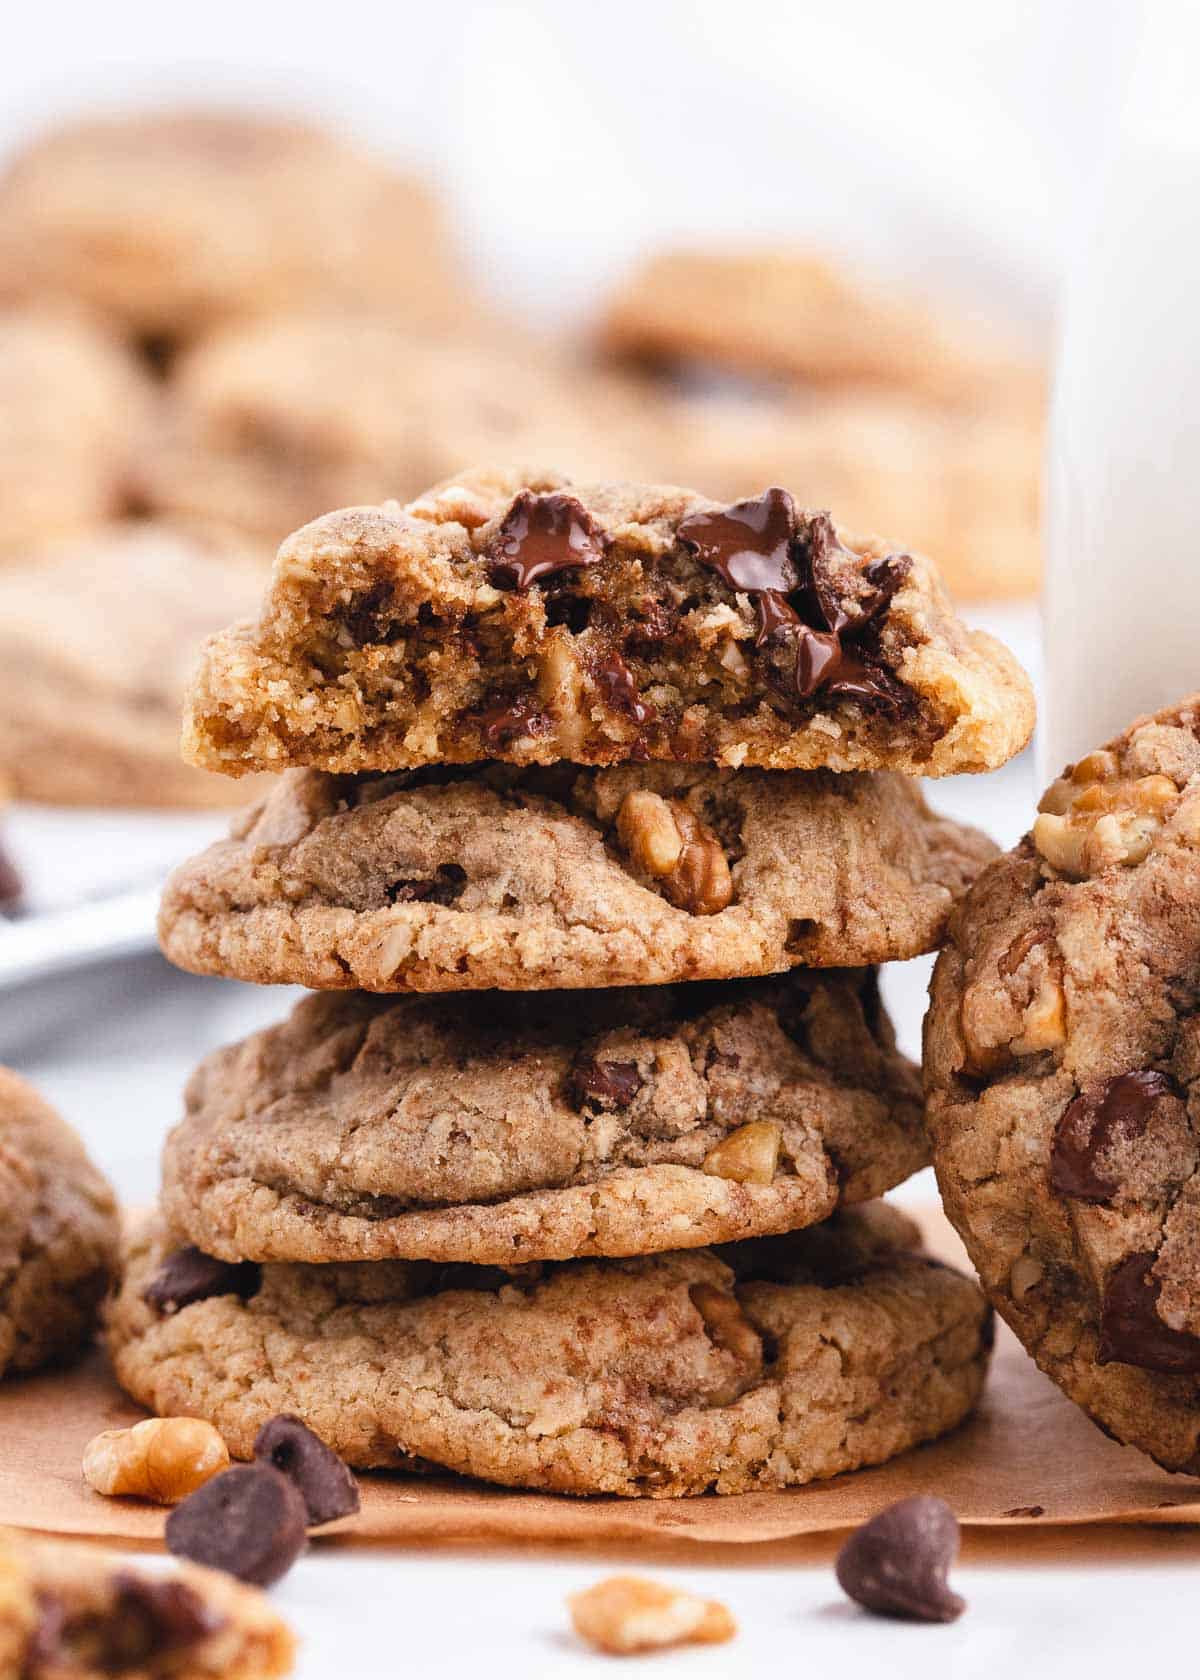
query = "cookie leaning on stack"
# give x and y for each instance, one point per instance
(475, 1231)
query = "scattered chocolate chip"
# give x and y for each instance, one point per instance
(508, 720)
(749, 544)
(443, 887)
(249, 1521)
(1132, 1333)
(615, 1083)
(190, 1275)
(11, 886)
(161, 1615)
(615, 681)
(896, 1564)
(541, 535)
(326, 1485)
(1119, 1111)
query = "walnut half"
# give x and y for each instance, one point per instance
(667, 839)
(1091, 819)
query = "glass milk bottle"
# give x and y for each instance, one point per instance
(1122, 596)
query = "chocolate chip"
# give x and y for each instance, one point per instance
(1026, 1511)
(615, 681)
(190, 1275)
(1119, 1111)
(613, 1083)
(443, 887)
(326, 1485)
(249, 1521)
(509, 720)
(1132, 1333)
(160, 1615)
(896, 1564)
(749, 544)
(368, 619)
(541, 535)
(11, 886)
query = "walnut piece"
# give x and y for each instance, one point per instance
(627, 1613)
(748, 1156)
(1044, 1023)
(726, 1324)
(163, 1459)
(560, 685)
(1025, 1275)
(1092, 819)
(668, 840)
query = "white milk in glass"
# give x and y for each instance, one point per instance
(1122, 595)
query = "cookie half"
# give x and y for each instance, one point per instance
(495, 877)
(58, 1232)
(499, 1129)
(90, 1614)
(764, 1365)
(532, 619)
(1063, 1075)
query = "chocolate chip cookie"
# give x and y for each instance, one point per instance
(96, 639)
(530, 619)
(497, 1129)
(164, 223)
(762, 1365)
(73, 408)
(58, 1232)
(87, 1613)
(1063, 1075)
(491, 876)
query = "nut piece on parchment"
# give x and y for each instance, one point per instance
(748, 1156)
(626, 1613)
(668, 840)
(1091, 819)
(163, 1459)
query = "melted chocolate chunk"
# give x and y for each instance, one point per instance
(190, 1275)
(325, 1484)
(749, 544)
(615, 681)
(809, 637)
(443, 887)
(367, 618)
(160, 1616)
(508, 720)
(897, 1564)
(1089, 1127)
(542, 535)
(1132, 1333)
(614, 1083)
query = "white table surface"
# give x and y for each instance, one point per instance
(112, 1046)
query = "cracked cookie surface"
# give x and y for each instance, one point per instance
(58, 1232)
(87, 1613)
(499, 1129)
(532, 619)
(1063, 1080)
(562, 877)
(766, 1364)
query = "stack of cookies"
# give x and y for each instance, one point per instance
(596, 808)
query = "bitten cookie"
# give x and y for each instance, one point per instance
(530, 619)
(164, 223)
(73, 407)
(88, 1614)
(1063, 1075)
(58, 1232)
(764, 1365)
(496, 877)
(497, 1129)
(96, 639)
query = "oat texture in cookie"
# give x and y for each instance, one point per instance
(165, 223)
(58, 1232)
(451, 880)
(765, 1364)
(531, 619)
(1063, 1074)
(96, 639)
(498, 1129)
(89, 1614)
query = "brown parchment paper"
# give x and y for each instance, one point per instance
(1027, 1457)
